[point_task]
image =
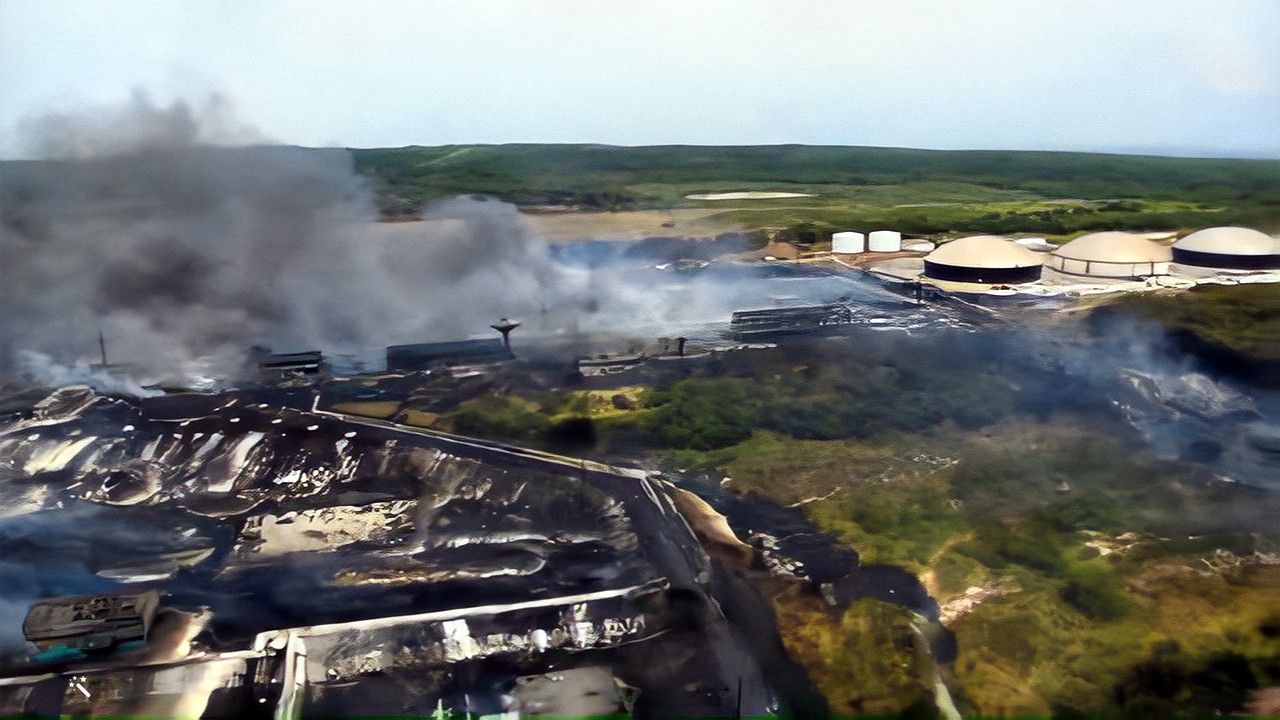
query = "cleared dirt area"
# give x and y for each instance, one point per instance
(746, 195)
(628, 225)
(573, 225)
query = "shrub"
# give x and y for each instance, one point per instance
(1033, 545)
(704, 414)
(1096, 591)
(498, 417)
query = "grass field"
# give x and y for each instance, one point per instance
(917, 191)
(1111, 582)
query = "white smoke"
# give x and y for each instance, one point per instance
(40, 369)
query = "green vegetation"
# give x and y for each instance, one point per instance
(823, 401)
(1096, 590)
(1234, 326)
(563, 422)
(1081, 575)
(1065, 631)
(831, 397)
(501, 418)
(919, 191)
(864, 660)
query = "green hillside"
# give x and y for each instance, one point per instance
(923, 191)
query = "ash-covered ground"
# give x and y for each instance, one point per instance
(496, 565)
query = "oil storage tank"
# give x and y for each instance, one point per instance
(884, 241)
(1232, 248)
(848, 243)
(988, 259)
(1111, 255)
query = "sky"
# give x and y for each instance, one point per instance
(1198, 77)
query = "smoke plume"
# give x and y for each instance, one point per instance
(134, 126)
(184, 254)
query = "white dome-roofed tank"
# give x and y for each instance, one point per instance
(1111, 254)
(1234, 248)
(848, 242)
(884, 241)
(983, 259)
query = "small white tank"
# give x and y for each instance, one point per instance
(848, 243)
(885, 241)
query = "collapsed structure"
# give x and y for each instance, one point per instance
(417, 572)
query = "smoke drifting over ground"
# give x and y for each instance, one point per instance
(185, 254)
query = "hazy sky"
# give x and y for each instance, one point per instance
(1167, 76)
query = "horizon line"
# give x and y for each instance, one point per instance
(1115, 152)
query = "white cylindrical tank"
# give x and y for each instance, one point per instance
(885, 241)
(848, 242)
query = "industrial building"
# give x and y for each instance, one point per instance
(1230, 248)
(426, 356)
(1111, 255)
(988, 259)
(280, 367)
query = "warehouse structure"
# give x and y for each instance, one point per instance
(983, 259)
(1231, 248)
(1111, 255)
(428, 356)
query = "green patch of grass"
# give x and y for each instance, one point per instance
(498, 417)
(956, 573)
(891, 509)
(998, 544)
(864, 660)
(1096, 590)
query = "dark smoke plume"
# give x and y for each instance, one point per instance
(186, 254)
